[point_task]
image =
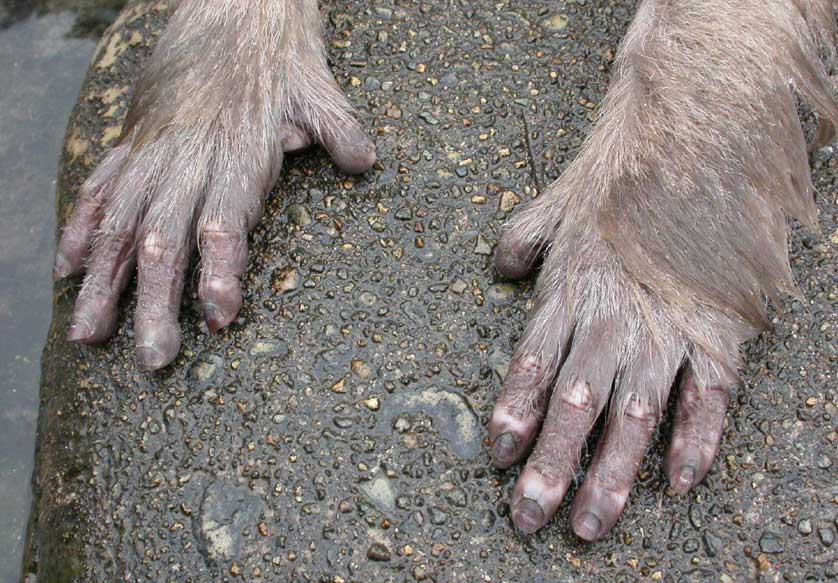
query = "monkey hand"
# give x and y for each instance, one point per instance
(660, 243)
(227, 91)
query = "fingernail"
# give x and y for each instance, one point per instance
(528, 515)
(62, 267)
(79, 331)
(588, 526)
(684, 480)
(214, 317)
(149, 359)
(505, 449)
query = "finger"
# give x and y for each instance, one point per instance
(517, 254)
(525, 238)
(293, 138)
(697, 432)
(164, 244)
(161, 264)
(77, 236)
(348, 144)
(520, 408)
(234, 204)
(640, 395)
(223, 259)
(108, 273)
(579, 396)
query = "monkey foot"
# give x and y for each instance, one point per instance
(201, 149)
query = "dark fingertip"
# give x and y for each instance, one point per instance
(515, 258)
(215, 317)
(62, 267)
(587, 527)
(528, 515)
(505, 450)
(683, 480)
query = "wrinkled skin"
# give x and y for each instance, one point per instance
(659, 243)
(209, 123)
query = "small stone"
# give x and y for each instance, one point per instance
(713, 545)
(556, 22)
(459, 286)
(771, 543)
(508, 200)
(824, 462)
(372, 84)
(694, 514)
(428, 118)
(367, 298)
(404, 213)
(235, 570)
(449, 79)
(804, 526)
(299, 215)
(690, 545)
(373, 404)
(827, 536)
(205, 370)
(285, 280)
(361, 368)
(268, 348)
(380, 492)
(343, 422)
(438, 516)
(501, 292)
(482, 247)
(339, 387)
(378, 552)
(457, 497)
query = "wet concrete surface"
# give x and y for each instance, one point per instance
(334, 432)
(42, 63)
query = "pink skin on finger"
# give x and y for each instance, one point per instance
(77, 236)
(160, 269)
(349, 146)
(517, 415)
(223, 260)
(550, 469)
(697, 432)
(600, 501)
(110, 269)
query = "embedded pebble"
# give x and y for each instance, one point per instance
(299, 215)
(770, 543)
(378, 552)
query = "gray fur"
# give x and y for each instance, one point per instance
(671, 219)
(208, 138)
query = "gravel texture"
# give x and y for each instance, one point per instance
(334, 432)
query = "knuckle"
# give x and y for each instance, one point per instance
(153, 248)
(640, 409)
(579, 395)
